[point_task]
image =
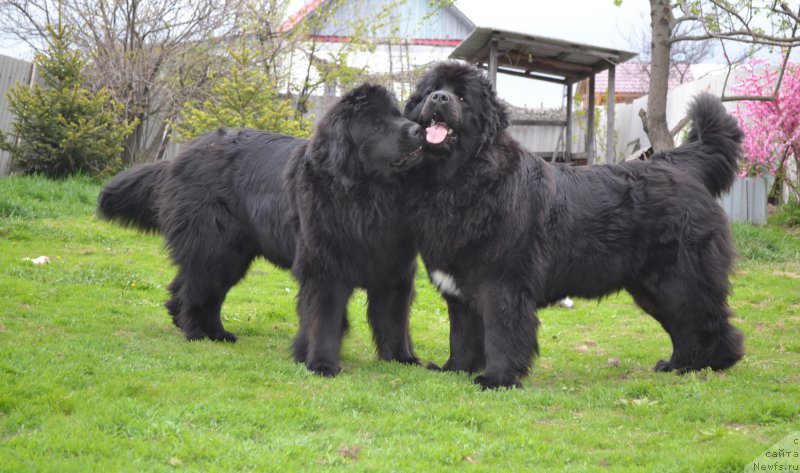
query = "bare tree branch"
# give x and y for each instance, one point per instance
(732, 24)
(150, 54)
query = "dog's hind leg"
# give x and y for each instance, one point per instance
(199, 291)
(388, 314)
(174, 305)
(322, 306)
(646, 301)
(696, 319)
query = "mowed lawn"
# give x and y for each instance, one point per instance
(94, 376)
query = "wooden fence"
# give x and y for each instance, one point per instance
(747, 200)
(12, 71)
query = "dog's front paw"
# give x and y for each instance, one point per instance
(323, 369)
(489, 383)
(223, 336)
(663, 366)
(406, 360)
(465, 367)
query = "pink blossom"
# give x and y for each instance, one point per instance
(772, 128)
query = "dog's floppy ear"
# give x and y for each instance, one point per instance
(499, 119)
(497, 114)
(331, 149)
(501, 113)
(412, 110)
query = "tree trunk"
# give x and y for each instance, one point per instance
(662, 22)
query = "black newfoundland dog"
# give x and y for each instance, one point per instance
(329, 208)
(503, 233)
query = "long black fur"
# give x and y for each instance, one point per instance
(329, 208)
(504, 233)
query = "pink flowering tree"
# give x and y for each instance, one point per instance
(772, 128)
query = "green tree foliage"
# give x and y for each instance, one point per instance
(62, 128)
(244, 97)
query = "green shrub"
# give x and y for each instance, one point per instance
(61, 127)
(244, 97)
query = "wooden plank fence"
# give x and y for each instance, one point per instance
(12, 71)
(747, 200)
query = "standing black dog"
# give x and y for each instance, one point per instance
(503, 232)
(329, 208)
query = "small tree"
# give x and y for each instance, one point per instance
(772, 128)
(62, 128)
(244, 97)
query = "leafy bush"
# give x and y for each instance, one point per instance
(244, 97)
(62, 128)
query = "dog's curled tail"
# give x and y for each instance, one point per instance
(714, 145)
(130, 198)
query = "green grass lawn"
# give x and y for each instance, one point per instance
(94, 376)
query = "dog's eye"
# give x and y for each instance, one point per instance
(377, 127)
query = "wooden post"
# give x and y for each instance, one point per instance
(493, 64)
(590, 124)
(568, 137)
(610, 115)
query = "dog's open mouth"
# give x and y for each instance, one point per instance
(438, 131)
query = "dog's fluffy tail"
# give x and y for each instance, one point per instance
(713, 147)
(131, 197)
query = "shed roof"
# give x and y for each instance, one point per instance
(536, 57)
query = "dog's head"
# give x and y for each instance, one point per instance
(459, 109)
(364, 134)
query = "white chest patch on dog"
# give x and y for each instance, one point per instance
(445, 283)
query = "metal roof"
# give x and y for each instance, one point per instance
(536, 57)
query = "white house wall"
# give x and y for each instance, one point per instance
(373, 63)
(405, 19)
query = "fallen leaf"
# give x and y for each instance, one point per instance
(350, 452)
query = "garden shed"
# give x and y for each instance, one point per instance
(551, 60)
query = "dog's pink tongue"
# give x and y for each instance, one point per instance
(436, 133)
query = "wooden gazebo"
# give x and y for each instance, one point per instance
(550, 60)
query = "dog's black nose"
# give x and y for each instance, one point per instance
(415, 131)
(440, 96)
